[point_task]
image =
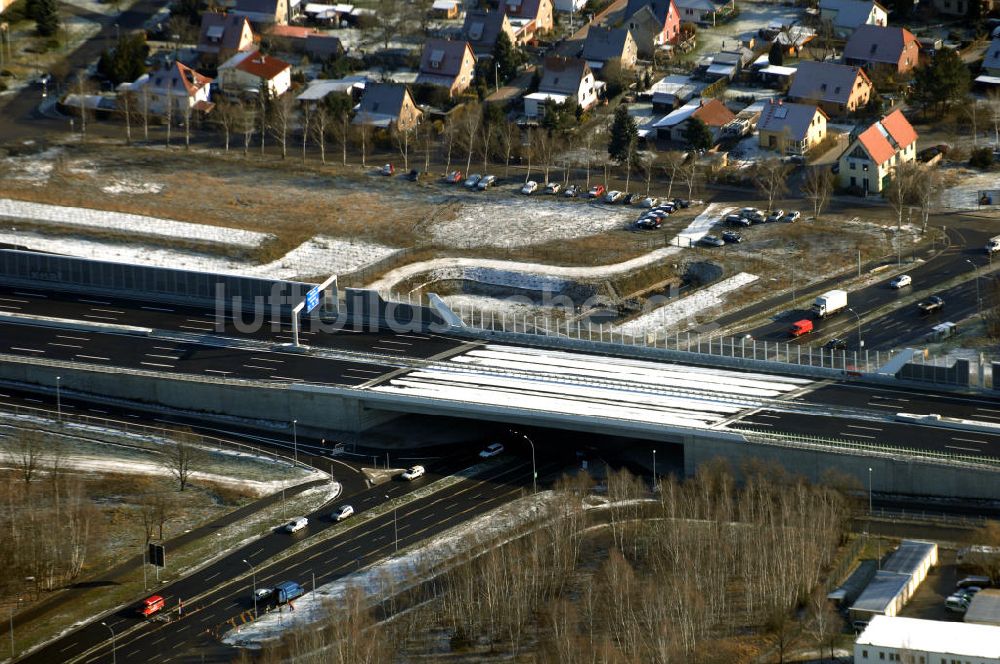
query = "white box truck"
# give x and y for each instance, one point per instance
(993, 244)
(829, 303)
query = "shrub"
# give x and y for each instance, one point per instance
(981, 158)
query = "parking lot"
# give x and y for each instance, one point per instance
(928, 602)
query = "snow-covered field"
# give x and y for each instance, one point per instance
(678, 311)
(963, 187)
(753, 16)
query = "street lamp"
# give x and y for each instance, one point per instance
(58, 399)
(114, 647)
(253, 573)
(496, 75)
(534, 471)
(861, 342)
(395, 529)
(295, 439)
(979, 302)
(654, 469)
(18, 605)
(869, 493)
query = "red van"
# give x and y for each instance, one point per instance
(800, 327)
(151, 605)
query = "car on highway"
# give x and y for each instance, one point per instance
(650, 201)
(775, 215)
(930, 305)
(570, 191)
(902, 281)
(342, 512)
(732, 236)
(454, 177)
(413, 472)
(296, 524)
(596, 191)
(473, 180)
(613, 196)
(529, 187)
(836, 344)
(485, 182)
(151, 605)
(712, 241)
(792, 216)
(263, 594)
(388, 169)
(552, 188)
(491, 450)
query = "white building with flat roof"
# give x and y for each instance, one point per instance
(915, 641)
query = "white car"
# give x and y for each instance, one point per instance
(529, 187)
(901, 281)
(552, 188)
(492, 451)
(413, 473)
(296, 524)
(792, 216)
(652, 201)
(473, 180)
(613, 196)
(342, 513)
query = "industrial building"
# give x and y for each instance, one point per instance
(893, 585)
(931, 641)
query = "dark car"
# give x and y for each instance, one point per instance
(648, 223)
(712, 241)
(413, 175)
(681, 203)
(629, 197)
(836, 344)
(732, 237)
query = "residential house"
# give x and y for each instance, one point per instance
(673, 90)
(961, 7)
(481, 29)
(222, 36)
(730, 61)
(262, 12)
(529, 18)
(387, 105)
(844, 16)
(705, 12)
(563, 79)
(991, 59)
(567, 6)
(318, 89)
(883, 49)
(869, 160)
(710, 111)
(4, 4)
(317, 45)
(445, 9)
(253, 70)
(791, 128)
(653, 23)
(837, 89)
(603, 44)
(178, 88)
(449, 64)
(332, 15)
(794, 38)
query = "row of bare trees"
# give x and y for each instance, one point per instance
(675, 576)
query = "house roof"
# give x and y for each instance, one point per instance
(255, 63)
(603, 44)
(220, 31)
(660, 9)
(291, 31)
(563, 75)
(323, 45)
(382, 99)
(701, 5)
(178, 77)
(791, 120)
(825, 81)
(849, 13)
(254, 7)
(443, 57)
(899, 128)
(482, 27)
(883, 138)
(876, 43)
(522, 8)
(992, 58)
(321, 87)
(444, 5)
(933, 636)
(714, 113)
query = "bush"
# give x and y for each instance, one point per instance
(981, 158)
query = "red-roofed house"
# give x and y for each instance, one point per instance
(888, 49)
(529, 18)
(712, 112)
(449, 64)
(870, 159)
(255, 71)
(652, 23)
(177, 86)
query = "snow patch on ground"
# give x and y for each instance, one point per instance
(701, 224)
(34, 168)
(753, 16)
(677, 311)
(393, 574)
(963, 185)
(132, 187)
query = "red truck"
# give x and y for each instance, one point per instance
(151, 605)
(800, 327)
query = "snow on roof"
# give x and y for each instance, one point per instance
(932, 636)
(679, 115)
(444, 5)
(778, 70)
(988, 80)
(722, 70)
(881, 592)
(910, 556)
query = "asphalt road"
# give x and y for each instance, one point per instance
(888, 400)
(902, 325)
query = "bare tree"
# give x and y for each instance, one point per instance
(362, 138)
(770, 176)
(187, 125)
(993, 107)
(26, 450)
(449, 134)
(262, 115)
(226, 114)
(389, 16)
(823, 622)
(926, 193)
(126, 105)
(690, 174)
(545, 148)
(508, 134)
(469, 131)
(817, 187)
(282, 115)
(672, 162)
(342, 133)
(145, 111)
(318, 129)
(901, 190)
(247, 122)
(429, 131)
(170, 109)
(487, 142)
(402, 139)
(305, 131)
(181, 459)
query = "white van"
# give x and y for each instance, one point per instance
(957, 603)
(296, 524)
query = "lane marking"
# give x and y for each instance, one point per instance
(265, 359)
(157, 309)
(72, 645)
(27, 350)
(13, 299)
(101, 317)
(69, 336)
(855, 435)
(93, 357)
(209, 578)
(858, 426)
(9, 306)
(108, 311)
(966, 449)
(54, 343)
(81, 299)
(972, 440)
(218, 371)
(154, 364)
(163, 357)
(45, 297)
(257, 366)
(200, 329)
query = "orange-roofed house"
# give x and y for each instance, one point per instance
(869, 160)
(255, 71)
(178, 87)
(712, 112)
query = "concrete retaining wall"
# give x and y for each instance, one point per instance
(956, 374)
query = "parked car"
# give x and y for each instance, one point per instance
(681, 202)
(413, 175)
(836, 344)
(473, 180)
(754, 215)
(529, 187)
(454, 177)
(485, 182)
(902, 281)
(552, 188)
(649, 202)
(596, 191)
(296, 524)
(388, 169)
(668, 207)
(342, 513)
(775, 215)
(629, 199)
(491, 450)
(712, 241)
(570, 191)
(732, 236)
(792, 216)
(413, 473)
(613, 196)
(151, 605)
(648, 222)
(735, 220)
(957, 604)
(974, 582)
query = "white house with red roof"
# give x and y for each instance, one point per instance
(869, 160)
(177, 86)
(252, 70)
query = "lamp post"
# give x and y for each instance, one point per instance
(534, 471)
(58, 399)
(395, 529)
(496, 75)
(295, 439)
(253, 576)
(861, 342)
(114, 647)
(12, 627)
(869, 493)
(654, 469)
(979, 302)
